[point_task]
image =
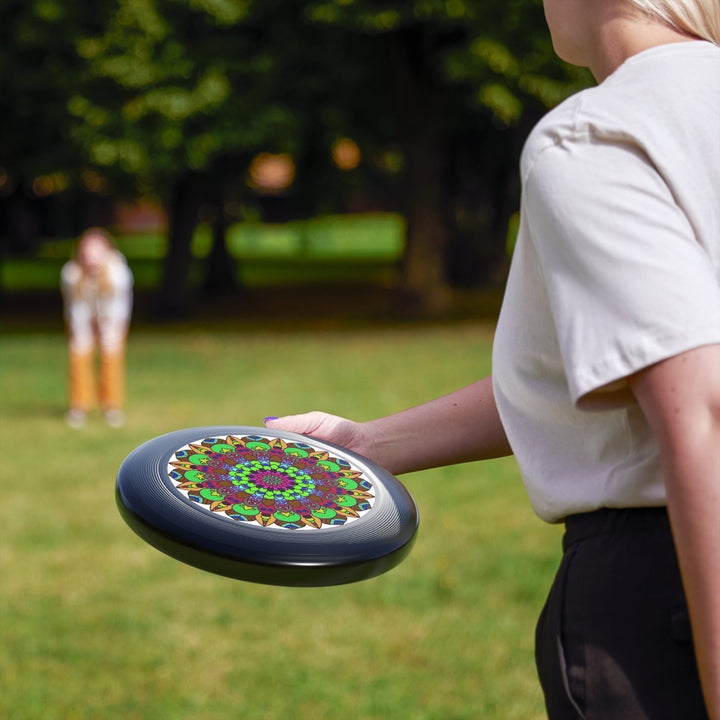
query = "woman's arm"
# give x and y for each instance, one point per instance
(459, 427)
(681, 400)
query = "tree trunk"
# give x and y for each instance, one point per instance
(175, 294)
(485, 194)
(220, 267)
(424, 274)
(424, 144)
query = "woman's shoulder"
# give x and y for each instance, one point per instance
(554, 129)
(596, 114)
(655, 96)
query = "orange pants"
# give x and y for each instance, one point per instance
(84, 393)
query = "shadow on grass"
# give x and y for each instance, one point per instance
(35, 411)
(287, 308)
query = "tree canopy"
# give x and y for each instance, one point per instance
(175, 98)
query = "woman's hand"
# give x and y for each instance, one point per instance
(323, 426)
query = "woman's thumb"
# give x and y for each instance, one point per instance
(302, 424)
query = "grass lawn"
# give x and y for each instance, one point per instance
(96, 624)
(341, 248)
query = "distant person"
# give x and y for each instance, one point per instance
(97, 294)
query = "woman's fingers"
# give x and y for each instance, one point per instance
(322, 426)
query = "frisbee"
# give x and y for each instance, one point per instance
(266, 506)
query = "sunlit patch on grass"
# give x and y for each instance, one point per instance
(97, 624)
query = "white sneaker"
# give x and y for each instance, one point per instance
(115, 418)
(75, 418)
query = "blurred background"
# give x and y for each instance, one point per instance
(240, 144)
(317, 200)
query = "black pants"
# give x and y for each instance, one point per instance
(613, 641)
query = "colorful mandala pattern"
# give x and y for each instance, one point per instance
(269, 481)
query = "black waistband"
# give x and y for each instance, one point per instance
(613, 521)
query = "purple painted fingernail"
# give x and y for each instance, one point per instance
(271, 417)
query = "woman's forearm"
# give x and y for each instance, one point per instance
(681, 400)
(460, 427)
(694, 507)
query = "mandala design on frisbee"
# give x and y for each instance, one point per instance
(271, 482)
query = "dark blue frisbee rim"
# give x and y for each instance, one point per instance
(169, 521)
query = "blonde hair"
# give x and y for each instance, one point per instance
(699, 18)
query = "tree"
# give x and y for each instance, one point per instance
(175, 98)
(182, 94)
(38, 68)
(460, 72)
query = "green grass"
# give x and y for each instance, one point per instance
(342, 248)
(96, 624)
(33, 274)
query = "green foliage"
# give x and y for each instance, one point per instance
(499, 53)
(38, 69)
(174, 83)
(174, 98)
(153, 87)
(96, 624)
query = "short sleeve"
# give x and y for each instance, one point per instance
(70, 275)
(115, 300)
(628, 282)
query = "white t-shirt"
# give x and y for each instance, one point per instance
(97, 308)
(617, 266)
